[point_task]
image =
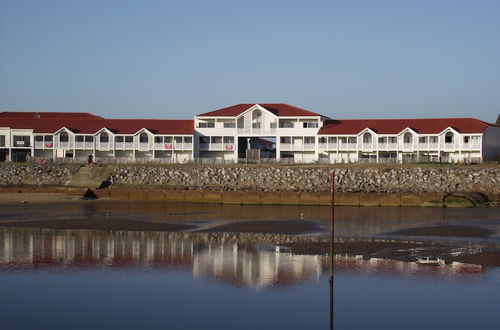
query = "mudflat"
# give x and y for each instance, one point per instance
(98, 224)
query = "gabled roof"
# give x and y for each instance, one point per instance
(83, 126)
(395, 126)
(51, 115)
(278, 109)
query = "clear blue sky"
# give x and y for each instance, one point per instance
(174, 59)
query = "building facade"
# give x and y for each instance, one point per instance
(245, 132)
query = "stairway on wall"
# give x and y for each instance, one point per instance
(90, 176)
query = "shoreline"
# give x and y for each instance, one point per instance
(30, 193)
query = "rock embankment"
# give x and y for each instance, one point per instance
(38, 175)
(390, 179)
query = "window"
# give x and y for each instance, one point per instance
(382, 140)
(158, 139)
(167, 139)
(393, 139)
(422, 139)
(310, 124)
(448, 138)
(433, 139)
(332, 140)
(216, 139)
(466, 139)
(309, 140)
(2, 140)
(273, 125)
(286, 124)
(229, 125)
(352, 140)
(104, 138)
(48, 138)
(188, 139)
(79, 138)
(286, 140)
(407, 138)
(255, 125)
(204, 139)
(367, 138)
(143, 138)
(129, 139)
(119, 139)
(39, 138)
(64, 137)
(228, 139)
(209, 124)
(178, 139)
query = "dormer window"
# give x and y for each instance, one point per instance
(202, 124)
(310, 124)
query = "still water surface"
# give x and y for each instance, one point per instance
(85, 279)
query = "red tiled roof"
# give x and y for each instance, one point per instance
(52, 115)
(395, 126)
(83, 126)
(279, 109)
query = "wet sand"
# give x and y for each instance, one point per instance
(35, 198)
(446, 231)
(402, 251)
(99, 225)
(269, 227)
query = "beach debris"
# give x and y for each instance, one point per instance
(431, 261)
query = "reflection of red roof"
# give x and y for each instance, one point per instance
(67, 115)
(395, 126)
(278, 109)
(91, 126)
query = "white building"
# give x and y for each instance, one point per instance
(246, 132)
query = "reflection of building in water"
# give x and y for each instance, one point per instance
(245, 264)
(254, 266)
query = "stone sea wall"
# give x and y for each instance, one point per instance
(47, 174)
(283, 178)
(389, 179)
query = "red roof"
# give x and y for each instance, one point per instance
(395, 126)
(67, 115)
(279, 109)
(83, 126)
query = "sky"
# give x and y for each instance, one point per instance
(174, 59)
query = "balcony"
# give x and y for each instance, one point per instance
(84, 145)
(471, 146)
(297, 147)
(408, 146)
(250, 130)
(104, 146)
(44, 145)
(63, 145)
(143, 146)
(309, 146)
(448, 146)
(124, 145)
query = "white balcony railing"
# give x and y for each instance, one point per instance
(84, 145)
(64, 145)
(104, 145)
(124, 145)
(249, 130)
(309, 146)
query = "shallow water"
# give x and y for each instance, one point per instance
(89, 279)
(81, 279)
